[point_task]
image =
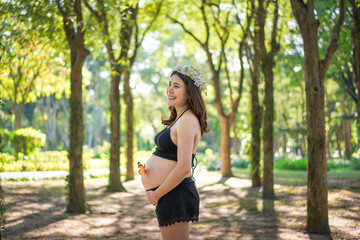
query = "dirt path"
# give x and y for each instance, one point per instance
(230, 209)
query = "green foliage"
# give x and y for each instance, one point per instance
(337, 163)
(27, 140)
(210, 160)
(4, 139)
(58, 160)
(5, 159)
(237, 161)
(2, 214)
(288, 162)
(355, 163)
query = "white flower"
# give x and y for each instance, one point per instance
(193, 74)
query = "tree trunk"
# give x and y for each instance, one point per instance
(77, 199)
(355, 35)
(267, 65)
(347, 138)
(339, 138)
(328, 139)
(268, 132)
(75, 35)
(303, 125)
(315, 71)
(130, 127)
(255, 129)
(268, 136)
(115, 109)
(347, 129)
(284, 142)
(328, 143)
(18, 114)
(2, 214)
(236, 143)
(256, 111)
(225, 146)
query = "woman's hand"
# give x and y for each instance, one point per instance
(150, 196)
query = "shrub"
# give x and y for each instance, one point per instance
(5, 159)
(27, 140)
(336, 163)
(237, 161)
(4, 138)
(210, 160)
(355, 163)
(287, 162)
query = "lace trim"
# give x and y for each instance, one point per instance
(180, 219)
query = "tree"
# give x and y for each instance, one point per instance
(256, 109)
(315, 72)
(149, 15)
(71, 12)
(117, 64)
(130, 38)
(28, 67)
(267, 65)
(217, 57)
(355, 35)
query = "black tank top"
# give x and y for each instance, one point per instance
(165, 146)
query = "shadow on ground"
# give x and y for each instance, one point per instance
(229, 209)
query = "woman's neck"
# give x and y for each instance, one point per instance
(180, 110)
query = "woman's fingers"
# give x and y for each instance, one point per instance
(150, 199)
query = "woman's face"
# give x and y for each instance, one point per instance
(176, 92)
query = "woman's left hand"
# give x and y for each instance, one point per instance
(150, 196)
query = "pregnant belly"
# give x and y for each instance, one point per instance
(157, 170)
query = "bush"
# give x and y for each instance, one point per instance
(5, 159)
(237, 161)
(290, 163)
(210, 160)
(355, 163)
(336, 163)
(4, 139)
(27, 140)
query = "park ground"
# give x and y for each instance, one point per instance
(229, 209)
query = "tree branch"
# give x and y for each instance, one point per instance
(138, 43)
(186, 30)
(334, 44)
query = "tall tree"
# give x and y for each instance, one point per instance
(117, 66)
(2, 201)
(355, 35)
(218, 16)
(131, 36)
(267, 65)
(71, 12)
(25, 59)
(149, 14)
(254, 57)
(315, 72)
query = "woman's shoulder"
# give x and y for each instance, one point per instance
(189, 120)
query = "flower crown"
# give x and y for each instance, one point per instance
(193, 74)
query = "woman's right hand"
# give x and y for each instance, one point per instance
(150, 199)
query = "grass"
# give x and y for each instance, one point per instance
(299, 177)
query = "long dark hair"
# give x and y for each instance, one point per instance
(195, 101)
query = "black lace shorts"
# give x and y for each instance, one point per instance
(180, 204)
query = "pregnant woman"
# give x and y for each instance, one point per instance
(167, 176)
